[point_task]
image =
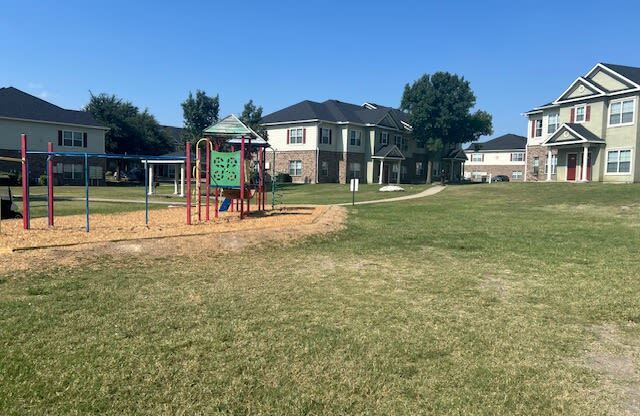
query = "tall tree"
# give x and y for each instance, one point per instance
(251, 116)
(439, 108)
(199, 113)
(130, 131)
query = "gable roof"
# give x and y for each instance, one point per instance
(505, 142)
(340, 112)
(574, 133)
(233, 129)
(389, 152)
(629, 75)
(16, 104)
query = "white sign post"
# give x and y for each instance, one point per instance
(354, 188)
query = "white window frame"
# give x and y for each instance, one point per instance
(75, 136)
(323, 136)
(297, 171)
(556, 125)
(355, 138)
(401, 142)
(75, 169)
(618, 173)
(520, 159)
(554, 166)
(516, 177)
(584, 114)
(475, 155)
(537, 131)
(384, 138)
(622, 101)
(419, 169)
(299, 135)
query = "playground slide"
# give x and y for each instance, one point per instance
(226, 203)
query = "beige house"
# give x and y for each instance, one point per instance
(334, 141)
(590, 132)
(504, 156)
(43, 122)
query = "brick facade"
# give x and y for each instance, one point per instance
(333, 160)
(308, 159)
(541, 153)
(495, 170)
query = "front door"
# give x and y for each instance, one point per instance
(572, 161)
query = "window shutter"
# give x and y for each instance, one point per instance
(304, 136)
(587, 116)
(330, 135)
(319, 135)
(288, 135)
(84, 139)
(573, 115)
(59, 137)
(533, 128)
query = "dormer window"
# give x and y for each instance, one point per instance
(581, 114)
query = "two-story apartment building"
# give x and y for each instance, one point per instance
(590, 132)
(43, 122)
(504, 155)
(334, 141)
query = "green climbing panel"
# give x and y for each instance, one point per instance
(225, 169)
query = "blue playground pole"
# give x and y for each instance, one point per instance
(146, 193)
(86, 188)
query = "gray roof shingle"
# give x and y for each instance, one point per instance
(630, 72)
(505, 142)
(18, 104)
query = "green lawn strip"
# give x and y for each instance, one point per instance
(462, 303)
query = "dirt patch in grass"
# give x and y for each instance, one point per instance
(67, 245)
(616, 358)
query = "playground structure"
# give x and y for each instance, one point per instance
(227, 173)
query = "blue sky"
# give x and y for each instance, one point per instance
(515, 54)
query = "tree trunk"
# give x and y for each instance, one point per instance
(429, 171)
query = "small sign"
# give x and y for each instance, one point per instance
(354, 185)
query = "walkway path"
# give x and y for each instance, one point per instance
(427, 192)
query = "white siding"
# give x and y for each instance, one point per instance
(39, 134)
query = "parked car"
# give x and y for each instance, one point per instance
(500, 178)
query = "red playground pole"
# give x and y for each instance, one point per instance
(25, 182)
(50, 182)
(249, 199)
(208, 178)
(259, 193)
(233, 201)
(217, 189)
(188, 168)
(242, 177)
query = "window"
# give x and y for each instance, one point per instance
(95, 172)
(324, 168)
(325, 136)
(516, 174)
(419, 169)
(554, 123)
(384, 138)
(554, 165)
(581, 112)
(296, 136)
(618, 161)
(354, 170)
(536, 165)
(72, 138)
(355, 138)
(537, 132)
(401, 142)
(295, 167)
(403, 172)
(477, 157)
(70, 171)
(517, 157)
(621, 112)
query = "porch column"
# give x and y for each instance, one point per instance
(176, 172)
(549, 165)
(150, 191)
(399, 171)
(381, 171)
(585, 162)
(182, 179)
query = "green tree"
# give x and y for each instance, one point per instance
(199, 113)
(439, 108)
(130, 131)
(251, 116)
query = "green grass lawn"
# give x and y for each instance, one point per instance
(289, 194)
(487, 299)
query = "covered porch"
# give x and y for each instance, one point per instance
(388, 164)
(577, 154)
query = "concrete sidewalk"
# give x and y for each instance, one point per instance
(427, 192)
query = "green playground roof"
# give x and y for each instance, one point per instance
(232, 128)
